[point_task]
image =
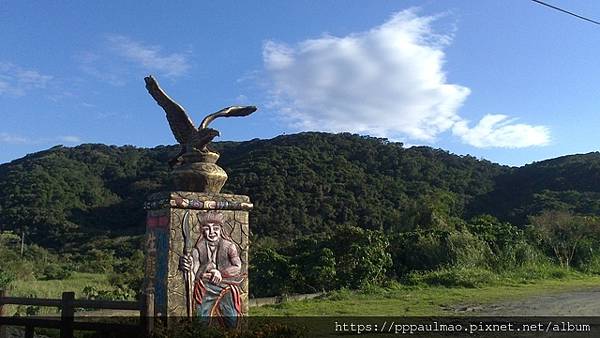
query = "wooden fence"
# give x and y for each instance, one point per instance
(67, 305)
(66, 322)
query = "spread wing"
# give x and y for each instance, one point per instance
(227, 112)
(181, 124)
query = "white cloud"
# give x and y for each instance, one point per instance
(17, 81)
(496, 130)
(111, 115)
(120, 59)
(8, 138)
(12, 139)
(70, 139)
(150, 57)
(241, 99)
(388, 82)
(102, 68)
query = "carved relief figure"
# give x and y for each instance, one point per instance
(216, 265)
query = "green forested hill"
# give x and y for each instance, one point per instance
(568, 182)
(308, 182)
(63, 197)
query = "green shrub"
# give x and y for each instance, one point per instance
(93, 293)
(56, 271)
(128, 274)
(271, 273)
(431, 250)
(418, 250)
(497, 235)
(593, 265)
(543, 269)
(362, 256)
(11, 262)
(6, 277)
(567, 234)
(466, 249)
(340, 294)
(517, 255)
(468, 277)
(32, 310)
(98, 261)
(316, 267)
(586, 254)
(524, 253)
(349, 257)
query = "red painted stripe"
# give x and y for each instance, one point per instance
(152, 222)
(163, 221)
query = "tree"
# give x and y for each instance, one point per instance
(272, 273)
(315, 264)
(362, 256)
(498, 235)
(563, 232)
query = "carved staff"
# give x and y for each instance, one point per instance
(188, 276)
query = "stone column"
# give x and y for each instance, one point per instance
(164, 242)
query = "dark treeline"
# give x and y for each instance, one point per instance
(87, 200)
(299, 184)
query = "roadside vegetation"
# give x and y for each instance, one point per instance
(39, 273)
(481, 252)
(424, 300)
(333, 212)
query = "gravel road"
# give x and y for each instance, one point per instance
(572, 303)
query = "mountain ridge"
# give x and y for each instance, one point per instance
(300, 183)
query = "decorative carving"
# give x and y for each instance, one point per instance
(194, 168)
(215, 263)
(173, 220)
(196, 238)
(188, 277)
(185, 203)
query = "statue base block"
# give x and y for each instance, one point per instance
(168, 215)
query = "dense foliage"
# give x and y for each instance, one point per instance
(349, 257)
(331, 210)
(300, 184)
(564, 183)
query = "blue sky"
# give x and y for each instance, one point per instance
(509, 81)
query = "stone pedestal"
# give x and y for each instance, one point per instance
(164, 242)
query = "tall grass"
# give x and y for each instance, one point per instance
(474, 277)
(53, 289)
(453, 276)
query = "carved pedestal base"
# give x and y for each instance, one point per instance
(165, 243)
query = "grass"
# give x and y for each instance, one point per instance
(53, 289)
(426, 300)
(430, 294)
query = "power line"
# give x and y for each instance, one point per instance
(567, 12)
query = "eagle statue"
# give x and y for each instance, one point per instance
(192, 139)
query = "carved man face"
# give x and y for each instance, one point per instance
(211, 231)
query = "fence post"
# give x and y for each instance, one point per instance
(67, 314)
(29, 331)
(147, 312)
(2, 328)
(2, 295)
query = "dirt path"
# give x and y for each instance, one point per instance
(572, 303)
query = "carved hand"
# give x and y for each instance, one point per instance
(185, 263)
(216, 276)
